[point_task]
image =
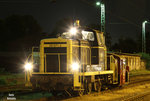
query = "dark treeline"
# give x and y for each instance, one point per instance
(18, 35)
(131, 45)
(126, 45)
(19, 32)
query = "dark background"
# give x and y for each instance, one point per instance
(23, 23)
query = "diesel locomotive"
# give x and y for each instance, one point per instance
(77, 61)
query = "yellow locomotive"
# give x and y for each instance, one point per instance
(77, 61)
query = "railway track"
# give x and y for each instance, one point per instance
(134, 82)
(93, 94)
(138, 97)
(131, 97)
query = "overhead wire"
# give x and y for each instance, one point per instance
(113, 14)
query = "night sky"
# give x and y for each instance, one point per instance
(123, 17)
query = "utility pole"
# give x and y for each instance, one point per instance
(102, 6)
(143, 37)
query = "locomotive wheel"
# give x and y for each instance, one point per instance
(89, 88)
(98, 86)
(34, 88)
(80, 93)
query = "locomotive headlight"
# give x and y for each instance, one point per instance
(28, 66)
(73, 30)
(75, 66)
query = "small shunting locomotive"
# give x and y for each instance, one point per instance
(77, 61)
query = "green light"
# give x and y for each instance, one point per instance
(98, 3)
(145, 21)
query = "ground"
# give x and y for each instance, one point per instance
(134, 88)
(115, 95)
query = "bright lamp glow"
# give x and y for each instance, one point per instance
(75, 66)
(73, 30)
(145, 21)
(28, 66)
(98, 3)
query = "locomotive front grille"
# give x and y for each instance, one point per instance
(55, 59)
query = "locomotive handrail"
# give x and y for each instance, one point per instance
(56, 53)
(52, 73)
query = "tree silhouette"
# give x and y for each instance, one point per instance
(125, 45)
(148, 42)
(19, 32)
